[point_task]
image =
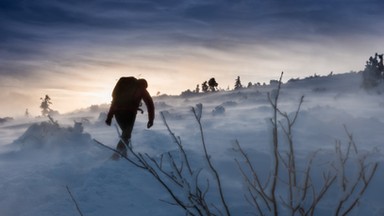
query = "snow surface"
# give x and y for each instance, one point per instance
(39, 159)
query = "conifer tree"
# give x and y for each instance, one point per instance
(373, 72)
(238, 83)
(204, 86)
(212, 84)
(197, 90)
(45, 103)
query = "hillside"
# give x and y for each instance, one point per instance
(40, 159)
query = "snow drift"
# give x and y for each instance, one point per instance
(47, 156)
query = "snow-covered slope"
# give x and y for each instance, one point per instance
(40, 159)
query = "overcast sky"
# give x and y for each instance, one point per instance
(75, 51)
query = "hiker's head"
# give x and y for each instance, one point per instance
(142, 83)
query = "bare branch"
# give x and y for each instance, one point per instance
(208, 159)
(74, 201)
(178, 142)
(257, 186)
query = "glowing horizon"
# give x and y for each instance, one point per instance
(75, 53)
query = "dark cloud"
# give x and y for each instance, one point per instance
(43, 38)
(29, 29)
(50, 21)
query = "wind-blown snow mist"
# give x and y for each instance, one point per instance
(39, 158)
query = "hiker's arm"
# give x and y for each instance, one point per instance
(111, 112)
(150, 108)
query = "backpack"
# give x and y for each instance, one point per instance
(125, 92)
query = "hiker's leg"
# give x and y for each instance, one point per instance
(122, 148)
(126, 122)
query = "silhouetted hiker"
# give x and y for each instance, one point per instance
(126, 99)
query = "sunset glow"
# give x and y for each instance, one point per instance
(76, 51)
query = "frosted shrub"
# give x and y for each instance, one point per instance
(50, 135)
(219, 110)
